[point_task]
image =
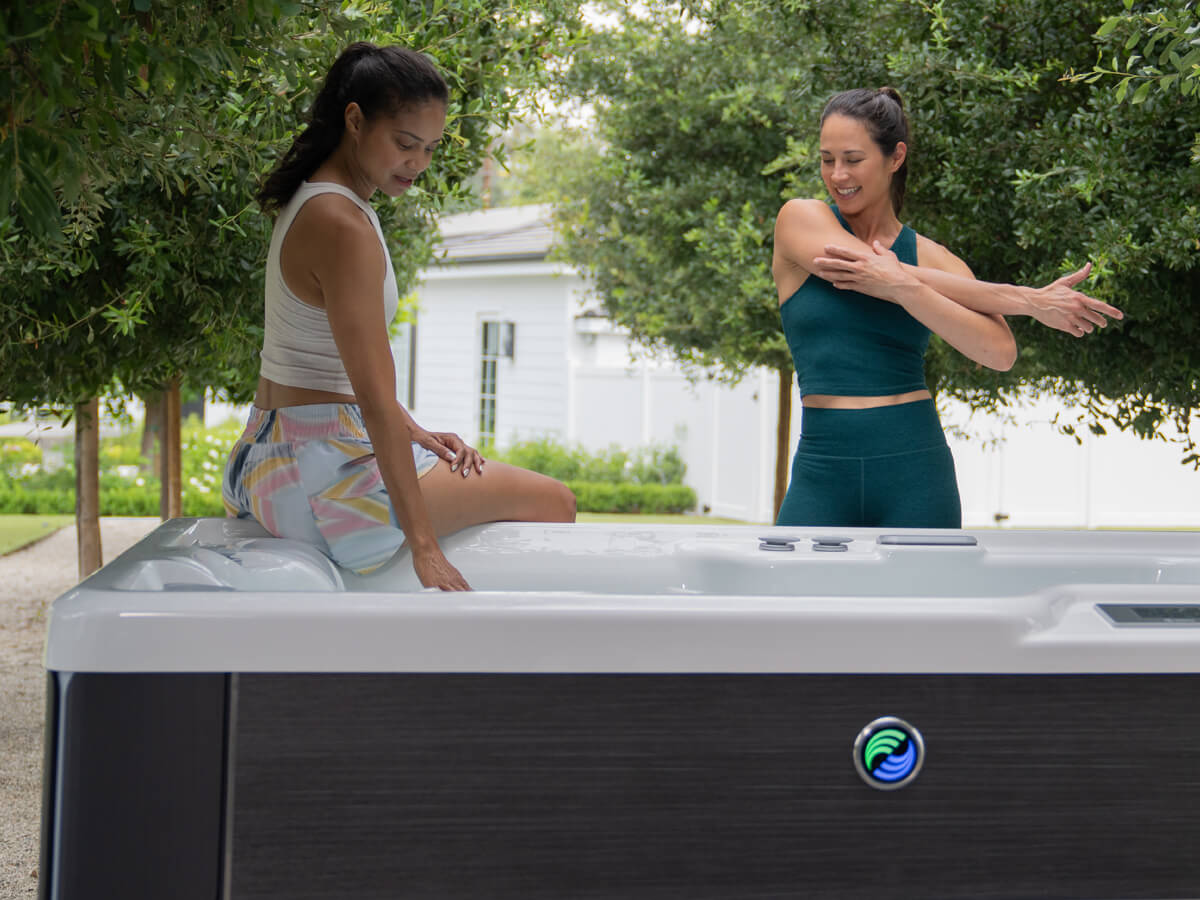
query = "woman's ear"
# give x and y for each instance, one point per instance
(899, 155)
(353, 118)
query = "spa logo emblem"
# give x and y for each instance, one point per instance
(889, 753)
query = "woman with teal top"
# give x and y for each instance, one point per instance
(859, 295)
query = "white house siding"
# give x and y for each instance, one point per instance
(531, 388)
(738, 491)
(1039, 477)
(648, 400)
(608, 408)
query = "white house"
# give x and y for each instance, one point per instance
(508, 345)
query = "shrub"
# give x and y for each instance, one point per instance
(544, 456)
(646, 465)
(203, 453)
(647, 480)
(593, 496)
(16, 499)
(659, 465)
(17, 454)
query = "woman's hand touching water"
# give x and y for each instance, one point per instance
(434, 570)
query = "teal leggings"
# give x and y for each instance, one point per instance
(884, 467)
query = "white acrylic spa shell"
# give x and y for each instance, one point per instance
(219, 595)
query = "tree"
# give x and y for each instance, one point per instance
(531, 163)
(140, 264)
(1160, 50)
(109, 138)
(673, 219)
(1032, 175)
(158, 268)
(708, 112)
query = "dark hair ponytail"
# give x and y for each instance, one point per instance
(379, 80)
(882, 112)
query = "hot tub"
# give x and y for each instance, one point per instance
(630, 712)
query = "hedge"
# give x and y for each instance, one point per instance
(645, 465)
(142, 500)
(645, 480)
(594, 496)
(115, 500)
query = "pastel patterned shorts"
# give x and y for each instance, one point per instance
(309, 473)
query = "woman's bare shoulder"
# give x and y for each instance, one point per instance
(331, 215)
(805, 212)
(331, 230)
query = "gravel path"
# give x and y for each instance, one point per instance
(29, 580)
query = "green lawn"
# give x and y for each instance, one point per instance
(660, 520)
(17, 531)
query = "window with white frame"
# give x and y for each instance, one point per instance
(499, 342)
(489, 360)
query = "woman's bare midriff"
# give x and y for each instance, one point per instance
(831, 401)
(270, 395)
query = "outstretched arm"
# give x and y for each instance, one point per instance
(1057, 305)
(805, 228)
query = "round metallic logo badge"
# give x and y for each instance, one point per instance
(889, 753)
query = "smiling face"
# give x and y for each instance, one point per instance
(389, 152)
(854, 168)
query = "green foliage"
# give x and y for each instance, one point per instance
(19, 456)
(134, 141)
(647, 480)
(592, 496)
(536, 168)
(124, 488)
(673, 220)
(71, 71)
(708, 113)
(646, 465)
(1148, 47)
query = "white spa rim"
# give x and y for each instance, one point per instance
(218, 595)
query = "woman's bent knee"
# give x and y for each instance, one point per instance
(555, 501)
(566, 502)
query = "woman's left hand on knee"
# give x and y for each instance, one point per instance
(455, 450)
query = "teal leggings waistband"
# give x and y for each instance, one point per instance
(885, 467)
(878, 431)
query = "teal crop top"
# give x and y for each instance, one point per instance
(848, 344)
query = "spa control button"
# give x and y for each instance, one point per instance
(889, 753)
(831, 543)
(782, 543)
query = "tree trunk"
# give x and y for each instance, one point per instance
(783, 437)
(170, 504)
(87, 486)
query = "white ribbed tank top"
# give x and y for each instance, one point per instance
(298, 348)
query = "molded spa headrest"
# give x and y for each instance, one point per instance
(253, 564)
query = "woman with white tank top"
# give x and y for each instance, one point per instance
(329, 456)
